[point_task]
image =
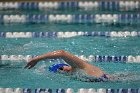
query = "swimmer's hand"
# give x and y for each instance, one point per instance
(31, 64)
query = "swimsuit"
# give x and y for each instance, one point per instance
(103, 78)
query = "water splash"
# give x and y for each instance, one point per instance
(127, 76)
(35, 44)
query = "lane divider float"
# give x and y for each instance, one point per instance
(90, 58)
(67, 34)
(118, 5)
(72, 18)
(69, 90)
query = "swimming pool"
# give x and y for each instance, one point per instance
(13, 75)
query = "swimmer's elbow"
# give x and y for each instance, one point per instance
(61, 52)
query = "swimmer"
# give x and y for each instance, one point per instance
(73, 62)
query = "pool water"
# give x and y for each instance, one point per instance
(13, 74)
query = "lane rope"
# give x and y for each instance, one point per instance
(68, 34)
(90, 58)
(85, 5)
(69, 90)
(72, 18)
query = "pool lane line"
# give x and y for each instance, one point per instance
(90, 58)
(68, 34)
(110, 19)
(119, 5)
(70, 90)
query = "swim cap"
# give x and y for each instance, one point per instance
(55, 67)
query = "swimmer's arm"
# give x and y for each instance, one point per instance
(74, 61)
(67, 57)
(49, 55)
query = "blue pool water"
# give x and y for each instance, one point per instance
(13, 74)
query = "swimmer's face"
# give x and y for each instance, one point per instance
(65, 68)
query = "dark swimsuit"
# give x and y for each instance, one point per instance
(103, 78)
